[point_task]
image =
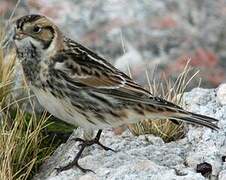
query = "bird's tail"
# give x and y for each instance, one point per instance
(194, 118)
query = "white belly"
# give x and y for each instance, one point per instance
(60, 108)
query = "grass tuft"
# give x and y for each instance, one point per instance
(171, 91)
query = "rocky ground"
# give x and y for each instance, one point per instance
(147, 156)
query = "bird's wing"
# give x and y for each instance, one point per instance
(82, 68)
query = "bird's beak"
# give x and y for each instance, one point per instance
(9, 37)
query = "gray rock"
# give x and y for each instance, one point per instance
(221, 94)
(147, 156)
(222, 175)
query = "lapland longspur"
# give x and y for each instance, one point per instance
(80, 87)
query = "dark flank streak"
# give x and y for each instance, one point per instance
(88, 119)
(102, 99)
(114, 114)
(82, 110)
(101, 117)
(138, 110)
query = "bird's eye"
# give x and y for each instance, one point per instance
(37, 29)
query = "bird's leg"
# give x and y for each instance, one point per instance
(83, 145)
(96, 140)
(75, 162)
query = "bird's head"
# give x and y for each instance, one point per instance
(35, 30)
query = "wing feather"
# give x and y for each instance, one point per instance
(82, 66)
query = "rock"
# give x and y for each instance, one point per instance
(148, 156)
(204, 168)
(223, 158)
(221, 94)
(222, 175)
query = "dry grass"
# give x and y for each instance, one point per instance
(20, 133)
(172, 91)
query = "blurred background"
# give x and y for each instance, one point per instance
(154, 35)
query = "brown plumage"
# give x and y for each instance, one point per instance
(82, 88)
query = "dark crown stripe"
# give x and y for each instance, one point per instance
(28, 18)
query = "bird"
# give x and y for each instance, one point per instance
(82, 88)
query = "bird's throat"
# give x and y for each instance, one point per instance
(30, 59)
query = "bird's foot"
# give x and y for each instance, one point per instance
(83, 145)
(74, 163)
